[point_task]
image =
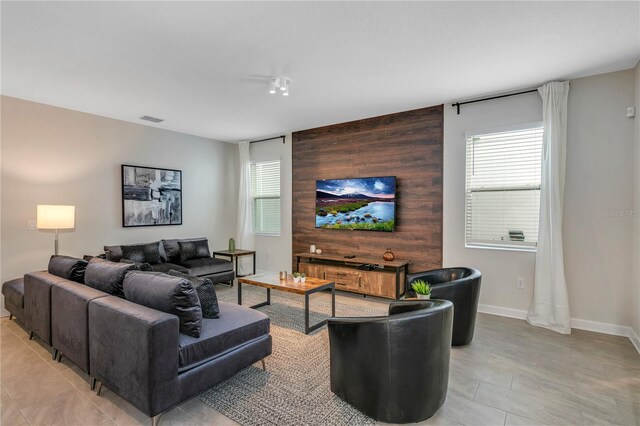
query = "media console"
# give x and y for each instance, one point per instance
(364, 275)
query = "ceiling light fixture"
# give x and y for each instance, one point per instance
(281, 83)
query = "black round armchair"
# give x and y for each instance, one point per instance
(395, 368)
(461, 286)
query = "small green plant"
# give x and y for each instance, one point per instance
(296, 275)
(303, 276)
(421, 287)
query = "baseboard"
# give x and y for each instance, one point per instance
(601, 327)
(580, 324)
(502, 311)
(635, 339)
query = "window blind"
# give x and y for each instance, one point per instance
(502, 197)
(265, 195)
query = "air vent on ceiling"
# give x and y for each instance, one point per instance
(152, 119)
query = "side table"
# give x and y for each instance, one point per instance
(235, 255)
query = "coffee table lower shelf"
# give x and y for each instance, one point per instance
(311, 286)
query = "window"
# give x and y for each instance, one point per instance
(265, 197)
(502, 198)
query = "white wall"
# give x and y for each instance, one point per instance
(599, 175)
(273, 253)
(499, 268)
(598, 246)
(56, 156)
(636, 253)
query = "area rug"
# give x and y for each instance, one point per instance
(295, 389)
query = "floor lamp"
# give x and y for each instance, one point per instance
(56, 217)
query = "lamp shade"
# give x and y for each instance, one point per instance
(56, 217)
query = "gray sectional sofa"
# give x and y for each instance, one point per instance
(191, 256)
(140, 352)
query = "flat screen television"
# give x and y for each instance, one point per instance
(364, 204)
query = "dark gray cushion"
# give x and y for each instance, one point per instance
(107, 276)
(206, 293)
(13, 292)
(207, 266)
(113, 253)
(166, 267)
(141, 266)
(168, 294)
(236, 326)
(67, 267)
(171, 250)
(142, 253)
(196, 249)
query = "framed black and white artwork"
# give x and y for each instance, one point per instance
(151, 196)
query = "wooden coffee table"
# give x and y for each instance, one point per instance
(271, 280)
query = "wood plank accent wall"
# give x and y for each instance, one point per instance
(408, 145)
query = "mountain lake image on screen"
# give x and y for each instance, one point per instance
(366, 204)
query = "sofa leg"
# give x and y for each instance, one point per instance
(59, 357)
(10, 316)
(264, 366)
(54, 353)
(31, 335)
(92, 380)
(99, 388)
(154, 420)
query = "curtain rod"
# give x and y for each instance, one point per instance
(457, 104)
(270, 139)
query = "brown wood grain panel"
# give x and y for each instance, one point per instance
(408, 145)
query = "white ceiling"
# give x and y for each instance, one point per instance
(205, 66)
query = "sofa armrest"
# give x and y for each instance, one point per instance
(134, 352)
(37, 303)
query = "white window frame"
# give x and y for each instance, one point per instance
(273, 196)
(493, 244)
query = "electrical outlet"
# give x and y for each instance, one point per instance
(31, 225)
(520, 282)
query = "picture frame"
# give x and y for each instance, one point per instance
(151, 196)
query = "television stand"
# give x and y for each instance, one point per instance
(361, 274)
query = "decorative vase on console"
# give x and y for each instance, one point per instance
(388, 255)
(232, 245)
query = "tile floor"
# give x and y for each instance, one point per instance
(511, 374)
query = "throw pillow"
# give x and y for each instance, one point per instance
(141, 266)
(107, 276)
(163, 254)
(171, 250)
(142, 253)
(206, 293)
(68, 268)
(168, 294)
(113, 253)
(193, 249)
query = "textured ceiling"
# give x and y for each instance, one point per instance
(205, 66)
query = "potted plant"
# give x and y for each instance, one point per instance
(303, 278)
(296, 277)
(422, 289)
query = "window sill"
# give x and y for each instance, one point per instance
(501, 248)
(263, 234)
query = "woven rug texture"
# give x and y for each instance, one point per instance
(295, 389)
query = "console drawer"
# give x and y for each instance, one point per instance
(344, 278)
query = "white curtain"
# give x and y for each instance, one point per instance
(550, 305)
(244, 231)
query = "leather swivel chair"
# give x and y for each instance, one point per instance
(461, 286)
(395, 368)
